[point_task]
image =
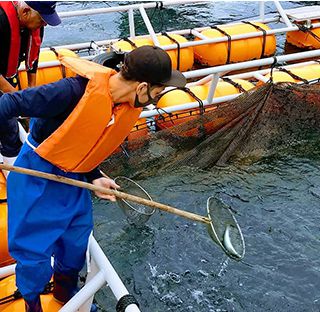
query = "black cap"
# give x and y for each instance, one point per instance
(47, 11)
(153, 65)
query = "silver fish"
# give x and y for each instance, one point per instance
(227, 243)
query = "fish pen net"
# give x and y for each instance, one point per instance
(255, 124)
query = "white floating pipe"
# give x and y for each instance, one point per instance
(262, 11)
(131, 24)
(261, 77)
(205, 40)
(85, 293)
(149, 26)
(254, 63)
(122, 8)
(111, 276)
(282, 13)
(213, 86)
(7, 270)
(262, 71)
(217, 100)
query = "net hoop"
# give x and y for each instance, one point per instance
(219, 229)
(134, 215)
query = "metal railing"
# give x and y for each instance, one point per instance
(130, 9)
(213, 74)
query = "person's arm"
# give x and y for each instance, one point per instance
(32, 73)
(107, 183)
(5, 34)
(45, 101)
(5, 86)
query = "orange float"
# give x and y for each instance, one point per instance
(186, 55)
(308, 72)
(8, 287)
(305, 39)
(179, 97)
(48, 74)
(239, 50)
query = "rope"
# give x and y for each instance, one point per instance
(307, 30)
(294, 76)
(273, 65)
(63, 69)
(201, 106)
(133, 45)
(125, 301)
(235, 84)
(229, 40)
(264, 36)
(187, 90)
(178, 48)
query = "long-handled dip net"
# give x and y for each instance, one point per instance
(136, 213)
(225, 232)
(222, 226)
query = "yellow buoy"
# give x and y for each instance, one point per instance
(305, 40)
(240, 50)
(49, 74)
(186, 56)
(179, 97)
(308, 72)
(8, 287)
(126, 46)
(5, 258)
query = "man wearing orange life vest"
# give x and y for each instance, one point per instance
(21, 32)
(78, 123)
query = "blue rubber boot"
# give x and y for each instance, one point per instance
(65, 287)
(34, 305)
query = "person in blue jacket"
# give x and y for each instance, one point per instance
(47, 218)
(21, 33)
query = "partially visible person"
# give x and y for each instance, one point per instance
(78, 123)
(21, 33)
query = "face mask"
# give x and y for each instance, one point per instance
(150, 100)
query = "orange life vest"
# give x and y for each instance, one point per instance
(95, 128)
(34, 41)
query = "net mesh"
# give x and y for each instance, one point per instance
(224, 229)
(136, 214)
(254, 125)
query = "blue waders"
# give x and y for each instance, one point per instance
(45, 219)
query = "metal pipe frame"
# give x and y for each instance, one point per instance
(103, 272)
(203, 40)
(228, 68)
(124, 8)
